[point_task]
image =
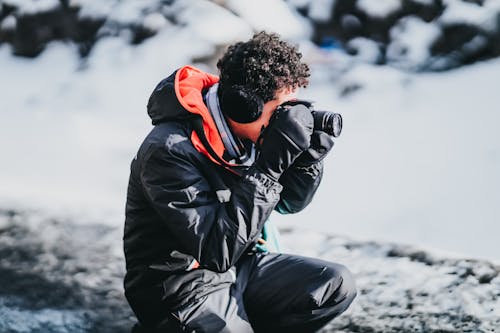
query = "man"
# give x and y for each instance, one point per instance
(218, 161)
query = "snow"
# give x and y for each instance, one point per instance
(300, 3)
(417, 162)
(9, 23)
(154, 22)
(321, 10)
(380, 8)
(317, 10)
(272, 15)
(93, 9)
(130, 12)
(32, 6)
(25, 321)
(411, 39)
(122, 12)
(75, 132)
(461, 12)
(212, 22)
(367, 50)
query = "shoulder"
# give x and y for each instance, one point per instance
(170, 140)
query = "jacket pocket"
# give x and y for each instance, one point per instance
(185, 288)
(175, 262)
(202, 315)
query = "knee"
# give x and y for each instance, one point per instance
(339, 288)
(348, 288)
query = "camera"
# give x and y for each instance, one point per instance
(328, 122)
(325, 121)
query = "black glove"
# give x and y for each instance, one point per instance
(286, 137)
(321, 144)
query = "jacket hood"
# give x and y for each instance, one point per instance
(178, 97)
(178, 93)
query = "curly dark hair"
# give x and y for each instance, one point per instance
(262, 66)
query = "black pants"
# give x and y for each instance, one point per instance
(272, 293)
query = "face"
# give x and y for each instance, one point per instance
(252, 130)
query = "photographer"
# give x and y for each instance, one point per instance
(223, 154)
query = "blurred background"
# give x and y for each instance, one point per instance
(417, 82)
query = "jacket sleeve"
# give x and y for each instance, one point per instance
(215, 233)
(299, 186)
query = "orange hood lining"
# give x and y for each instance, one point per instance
(189, 82)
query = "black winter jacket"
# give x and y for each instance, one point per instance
(186, 205)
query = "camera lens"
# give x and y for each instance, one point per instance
(328, 122)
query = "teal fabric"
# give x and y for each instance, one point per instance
(271, 235)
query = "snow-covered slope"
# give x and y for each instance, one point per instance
(416, 163)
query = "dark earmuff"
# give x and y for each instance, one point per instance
(240, 104)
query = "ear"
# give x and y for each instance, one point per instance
(240, 104)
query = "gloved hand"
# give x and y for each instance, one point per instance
(321, 144)
(286, 137)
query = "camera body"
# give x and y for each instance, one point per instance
(325, 121)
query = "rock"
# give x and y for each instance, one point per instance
(416, 35)
(34, 30)
(461, 44)
(77, 22)
(58, 275)
(406, 289)
(365, 50)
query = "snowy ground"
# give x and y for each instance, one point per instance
(417, 161)
(54, 280)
